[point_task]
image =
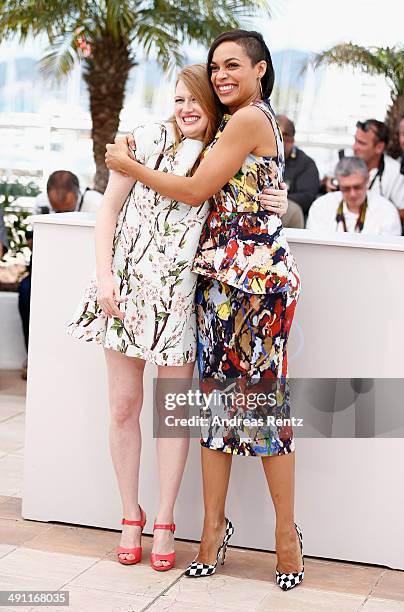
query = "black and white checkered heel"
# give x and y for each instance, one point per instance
(197, 569)
(288, 581)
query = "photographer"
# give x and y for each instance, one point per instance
(354, 208)
(63, 194)
(385, 179)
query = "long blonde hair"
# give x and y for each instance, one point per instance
(195, 78)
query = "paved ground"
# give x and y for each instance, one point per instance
(81, 560)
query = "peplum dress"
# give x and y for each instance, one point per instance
(247, 291)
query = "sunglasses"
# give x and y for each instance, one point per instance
(377, 127)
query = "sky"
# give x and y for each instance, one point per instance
(308, 25)
(313, 25)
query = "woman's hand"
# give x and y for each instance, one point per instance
(108, 296)
(130, 142)
(118, 155)
(275, 200)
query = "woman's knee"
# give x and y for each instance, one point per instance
(125, 407)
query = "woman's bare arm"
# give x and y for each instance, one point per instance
(243, 134)
(117, 191)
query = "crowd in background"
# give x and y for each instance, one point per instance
(366, 193)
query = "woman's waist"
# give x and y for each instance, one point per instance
(255, 268)
(245, 223)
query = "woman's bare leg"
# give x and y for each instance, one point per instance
(125, 384)
(216, 467)
(171, 455)
(280, 474)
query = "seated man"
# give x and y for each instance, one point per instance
(354, 208)
(301, 174)
(63, 194)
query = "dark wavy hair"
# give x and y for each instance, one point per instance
(255, 47)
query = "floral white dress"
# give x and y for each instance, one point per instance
(153, 249)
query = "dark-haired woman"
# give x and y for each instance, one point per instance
(247, 289)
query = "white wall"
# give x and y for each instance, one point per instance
(349, 496)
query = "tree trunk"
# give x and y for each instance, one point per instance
(105, 74)
(394, 113)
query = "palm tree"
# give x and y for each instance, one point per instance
(385, 61)
(103, 34)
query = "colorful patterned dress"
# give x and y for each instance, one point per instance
(247, 291)
(154, 245)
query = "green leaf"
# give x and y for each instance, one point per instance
(117, 323)
(385, 61)
(89, 315)
(60, 59)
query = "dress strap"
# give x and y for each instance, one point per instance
(266, 108)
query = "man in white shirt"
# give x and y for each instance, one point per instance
(354, 208)
(63, 194)
(385, 179)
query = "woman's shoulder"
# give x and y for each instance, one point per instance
(249, 117)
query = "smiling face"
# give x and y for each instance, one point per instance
(189, 115)
(234, 78)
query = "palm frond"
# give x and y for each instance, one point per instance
(228, 10)
(353, 55)
(21, 18)
(385, 61)
(60, 58)
(154, 38)
(164, 25)
(120, 18)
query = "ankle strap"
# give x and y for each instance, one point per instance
(134, 523)
(168, 526)
(140, 523)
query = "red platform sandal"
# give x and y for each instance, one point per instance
(169, 557)
(137, 551)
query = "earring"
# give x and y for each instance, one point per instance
(259, 80)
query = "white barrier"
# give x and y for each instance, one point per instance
(349, 323)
